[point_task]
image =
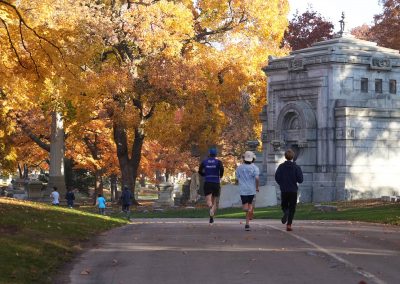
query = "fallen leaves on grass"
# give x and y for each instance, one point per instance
(85, 271)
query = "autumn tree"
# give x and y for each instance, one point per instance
(165, 56)
(39, 41)
(363, 32)
(7, 151)
(386, 28)
(91, 147)
(307, 28)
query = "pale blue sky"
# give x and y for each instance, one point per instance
(357, 12)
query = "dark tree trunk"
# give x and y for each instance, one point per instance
(129, 166)
(26, 172)
(136, 154)
(68, 172)
(98, 184)
(20, 171)
(121, 141)
(142, 180)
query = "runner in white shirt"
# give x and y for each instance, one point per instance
(56, 196)
(247, 175)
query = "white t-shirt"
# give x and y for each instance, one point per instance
(55, 195)
(246, 174)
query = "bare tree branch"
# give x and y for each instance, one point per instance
(29, 27)
(27, 130)
(12, 44)
(26, 49)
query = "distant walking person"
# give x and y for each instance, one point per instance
(70, 197)
(55, 197)
(247, 175)
(287, 176)
(101, 204)
(126, 200)
(212, 170)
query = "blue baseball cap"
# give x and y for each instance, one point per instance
(212, 151)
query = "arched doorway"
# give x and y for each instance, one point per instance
(297, 126)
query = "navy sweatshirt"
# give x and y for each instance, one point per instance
(288, 175)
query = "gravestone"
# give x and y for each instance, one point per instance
(337, 105)
(35, 190)
(165, 197)
(185, 192)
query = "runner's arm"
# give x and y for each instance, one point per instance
(257, 184)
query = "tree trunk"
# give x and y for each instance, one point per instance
(121, 141)
(98, 184)
(20, 171)
(129, 166)
(142, 180)
(136, 156)
(26, 172)
(68, 172)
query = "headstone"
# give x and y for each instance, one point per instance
(18, 189)
(3, 191)
(194, 186)
(19, 184)
(35, 190)
(165, 197)
(185, 192)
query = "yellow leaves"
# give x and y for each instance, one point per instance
(7, 150)
(6, 14)
(151, 54)
(163, 26)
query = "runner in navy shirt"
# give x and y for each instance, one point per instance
(212, 170)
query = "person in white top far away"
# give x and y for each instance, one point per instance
(55, 196)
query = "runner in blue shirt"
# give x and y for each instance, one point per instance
(101, 203)
(212, 170)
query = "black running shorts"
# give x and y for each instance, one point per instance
(212, 188)
(247, 199)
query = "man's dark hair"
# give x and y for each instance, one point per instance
(289, 154)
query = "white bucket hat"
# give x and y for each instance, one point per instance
(248, 156)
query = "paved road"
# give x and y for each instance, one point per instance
(191, 251)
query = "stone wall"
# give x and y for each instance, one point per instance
(337, 104)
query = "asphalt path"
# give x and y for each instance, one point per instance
(192, 251)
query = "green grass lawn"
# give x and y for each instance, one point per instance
(36, 238)
(379, 213)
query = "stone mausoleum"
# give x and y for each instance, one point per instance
(337, 105)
